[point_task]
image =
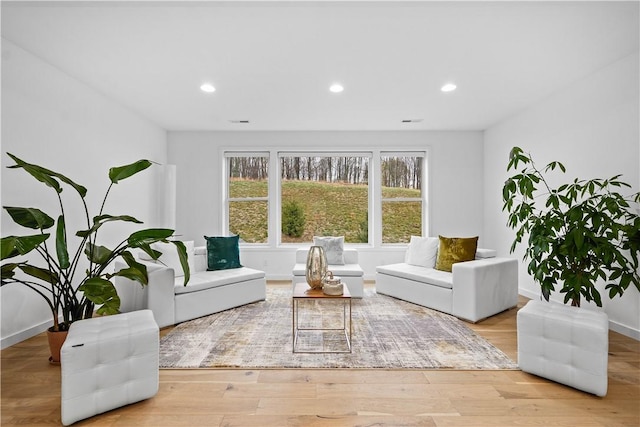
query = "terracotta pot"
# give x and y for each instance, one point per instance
(56, 339)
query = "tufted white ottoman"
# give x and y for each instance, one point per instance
(108, 362)
(565, 344)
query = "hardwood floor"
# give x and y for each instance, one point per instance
(294, 397)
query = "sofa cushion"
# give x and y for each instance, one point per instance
(429, 276)
(485, 253)
(212, 279)
(422, 251)
(333, 248)
(223, 253)
(455, 249)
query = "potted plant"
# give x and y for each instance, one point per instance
(578, 233)
(75, 282)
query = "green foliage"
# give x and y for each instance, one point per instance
(577, 233)
(363, 231)
(293, 219)
(68, 289)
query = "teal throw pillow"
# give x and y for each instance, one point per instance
(222, 253)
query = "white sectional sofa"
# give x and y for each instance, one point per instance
(206, 293)
(473, 291)
(350, 273)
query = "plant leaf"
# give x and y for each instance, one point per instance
(102, 292)
(148, 236)
(578, 238)
(122, 172)
(61, 243)
(8, 271)
(47, 176)
(99, 221)
(30, 217)
(136, 271)
(12, 246)
(150, 251)
(184, 261)
(98, 254)
(40, 273)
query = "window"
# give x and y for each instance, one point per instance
(248, 196)
(324, 195)
(285, 197)
(401, 176)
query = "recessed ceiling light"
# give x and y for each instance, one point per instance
(449, 87)
(336, 88)
(207, 87)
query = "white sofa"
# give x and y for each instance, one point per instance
(351, 274)
(206, 293)
(473, 291)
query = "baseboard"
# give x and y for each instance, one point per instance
(614, 326)
(624, 330)
(527, 293)
(24, 335)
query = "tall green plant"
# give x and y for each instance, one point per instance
(578, 233)
(58, 278)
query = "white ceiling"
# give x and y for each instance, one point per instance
(272, 62)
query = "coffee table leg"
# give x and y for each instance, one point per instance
(294, 332)
(350, 325)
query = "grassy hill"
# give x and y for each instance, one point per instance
(330, 209)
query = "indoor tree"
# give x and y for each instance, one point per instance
(578, 233)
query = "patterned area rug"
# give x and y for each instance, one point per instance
(387, 333)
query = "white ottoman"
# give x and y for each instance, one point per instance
(565, 344)
(108, 362)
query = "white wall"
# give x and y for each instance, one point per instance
(456, 183)
(592, 127)
(51, 119)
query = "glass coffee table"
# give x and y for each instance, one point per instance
(302, 292)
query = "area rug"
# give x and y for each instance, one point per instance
(387, 333)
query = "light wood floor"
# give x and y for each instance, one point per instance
(295, 397)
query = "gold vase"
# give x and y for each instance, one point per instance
(316, 267)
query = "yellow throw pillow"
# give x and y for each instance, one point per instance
(455, 249)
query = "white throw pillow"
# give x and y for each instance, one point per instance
(422, 251)
(170, 257)
(333, 248)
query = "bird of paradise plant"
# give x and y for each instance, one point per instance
(55, 272)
